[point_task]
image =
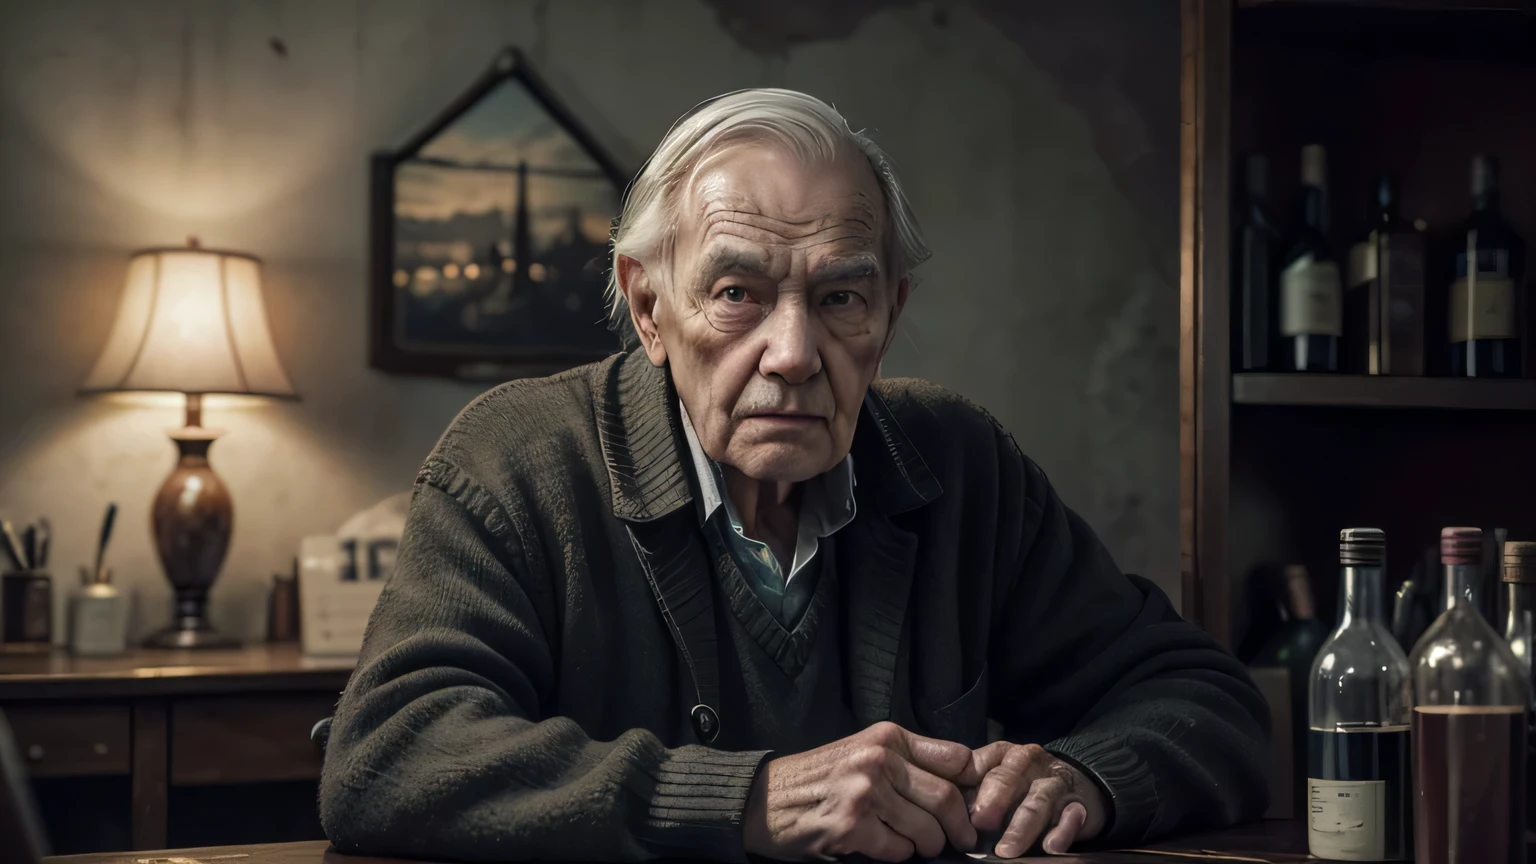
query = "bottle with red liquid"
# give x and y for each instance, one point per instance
(1469, 716)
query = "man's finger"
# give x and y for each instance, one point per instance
(940, 798)
(1005, 785)
(877, 840)
(943, 758)
(983, 760)
(913, 822)
(1037, 811)
(1060, 838)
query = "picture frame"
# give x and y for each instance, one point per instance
(489, 236)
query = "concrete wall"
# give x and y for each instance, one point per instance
(1037, 141)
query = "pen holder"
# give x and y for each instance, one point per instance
(26, 610)
(98, 625)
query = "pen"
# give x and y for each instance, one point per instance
(11, 544)
(44, 540)
(106, 537)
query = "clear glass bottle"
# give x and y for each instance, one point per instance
(1469, 720)
(1359, 790)
(1520, 632)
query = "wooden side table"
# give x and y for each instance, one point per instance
(168, 719)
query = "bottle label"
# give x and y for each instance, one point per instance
(1311, 299)
(1347, 819)
(1362, 260)
(1483, 308)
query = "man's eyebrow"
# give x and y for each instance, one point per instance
(843, 269)
(721, 261)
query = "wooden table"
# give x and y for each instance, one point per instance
(167, 719)
(1272, 842)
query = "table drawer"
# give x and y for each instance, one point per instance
(65, 739)
(246, 739)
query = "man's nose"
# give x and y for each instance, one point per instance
(792, 352)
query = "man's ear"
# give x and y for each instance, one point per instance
(640, 296)
(903, 290)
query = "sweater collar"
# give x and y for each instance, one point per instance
(645, 449)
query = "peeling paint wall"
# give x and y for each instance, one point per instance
(1037, 141)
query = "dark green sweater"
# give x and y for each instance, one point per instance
(525, 687)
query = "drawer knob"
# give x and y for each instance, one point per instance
(100, 749)
(35, 752)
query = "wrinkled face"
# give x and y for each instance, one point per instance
(778, 308)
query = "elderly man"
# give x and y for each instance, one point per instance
(728, 594)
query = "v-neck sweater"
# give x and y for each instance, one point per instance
(790, 694)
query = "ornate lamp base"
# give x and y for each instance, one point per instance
(190, 628)
(175, 637)
(192, 518)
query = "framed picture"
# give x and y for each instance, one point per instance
(490, 237)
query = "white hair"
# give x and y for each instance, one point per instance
(646, 228)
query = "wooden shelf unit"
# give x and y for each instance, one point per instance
(1379, 391)
(1274, 465)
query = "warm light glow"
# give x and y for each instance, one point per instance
(536, 272)
(471, 271)
(450, 271)
(402, 278)
(508, 265)
(426, 274)
(191, 320)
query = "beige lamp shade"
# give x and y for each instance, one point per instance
(191, 320)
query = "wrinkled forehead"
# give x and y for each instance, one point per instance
(760, 193)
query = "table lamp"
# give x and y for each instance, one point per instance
(191, 321)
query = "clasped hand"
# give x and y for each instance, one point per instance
(888, 793)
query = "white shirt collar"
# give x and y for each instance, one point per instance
(826, 501)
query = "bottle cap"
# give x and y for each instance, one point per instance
(1314, 166)
(1258, 176)
(1519, 561)
(1485, 174)
(1363, 547)
(1461, 546)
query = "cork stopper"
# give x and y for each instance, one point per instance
(1363, 547)
(1519, 561)
(1314, 166)
(1299, 587)
(1461, 546)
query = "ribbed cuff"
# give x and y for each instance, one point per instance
(1123, 776)
(697, 802)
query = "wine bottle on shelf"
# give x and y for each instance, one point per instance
(1254, 268)
(1471, 701)
(1485, 296)
(1311, 297)
(1384, 309)
(1359, 790)
(1293, 647)
(1295, 644)
(1520, 590)
(1520, 632)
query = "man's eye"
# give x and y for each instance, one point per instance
(734, 294)
(837, 298)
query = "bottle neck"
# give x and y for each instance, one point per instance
(1314, 206)
(1363, 601)
(1460, 579)
(1486, 201)
(1522, 596)
(1386, 214)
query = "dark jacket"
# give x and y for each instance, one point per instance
(525, 687)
